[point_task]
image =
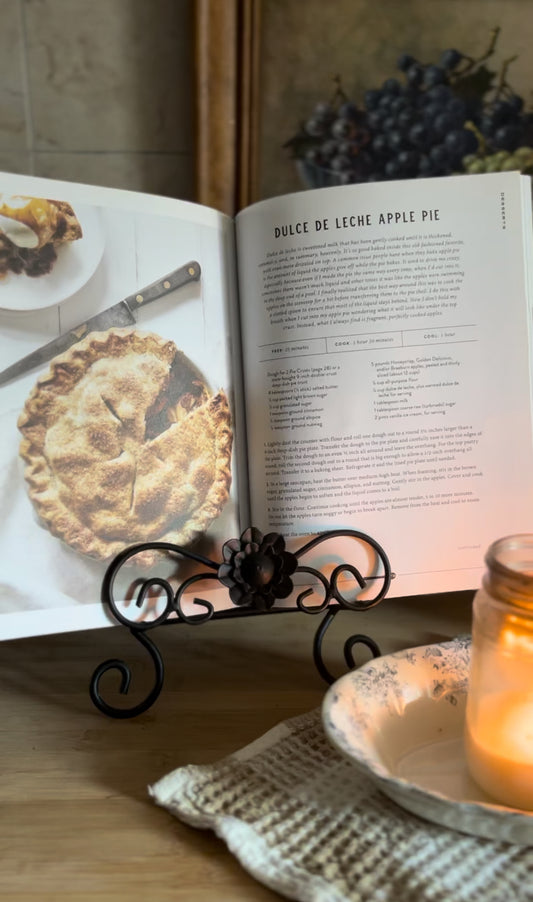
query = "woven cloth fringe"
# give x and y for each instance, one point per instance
(304, 822)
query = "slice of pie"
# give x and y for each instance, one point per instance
(53, 222)
(123, 443)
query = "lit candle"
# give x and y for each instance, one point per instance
(500, 748)
(499, 715)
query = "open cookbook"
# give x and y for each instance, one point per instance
(354, 357)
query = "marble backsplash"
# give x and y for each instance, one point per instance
(99, 91)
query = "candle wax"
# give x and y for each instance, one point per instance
(499, 747)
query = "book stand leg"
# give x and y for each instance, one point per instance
(258, 571)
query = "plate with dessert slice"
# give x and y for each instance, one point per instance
(48, 250)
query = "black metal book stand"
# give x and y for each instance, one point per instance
(258, 571)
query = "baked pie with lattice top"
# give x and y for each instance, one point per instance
(123, 443)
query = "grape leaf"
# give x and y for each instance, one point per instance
(474, 85)
(300, 143)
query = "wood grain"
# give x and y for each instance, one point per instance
(227, 40)
(76, 821)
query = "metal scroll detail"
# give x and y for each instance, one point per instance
(257, 571)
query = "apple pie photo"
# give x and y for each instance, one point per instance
(123, 442)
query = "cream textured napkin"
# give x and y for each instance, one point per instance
(304, 822)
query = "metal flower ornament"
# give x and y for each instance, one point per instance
(257, 569)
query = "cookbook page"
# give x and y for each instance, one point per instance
(386, 353)
(128, 435)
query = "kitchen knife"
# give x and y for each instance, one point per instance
(121, 314)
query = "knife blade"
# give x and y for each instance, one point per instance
(121, 314)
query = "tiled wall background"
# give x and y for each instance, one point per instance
(98, 91)
(101, 91)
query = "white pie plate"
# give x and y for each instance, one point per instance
(400, 719)
(76, 262)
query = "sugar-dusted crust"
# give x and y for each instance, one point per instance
(123, 443)
(67, 227)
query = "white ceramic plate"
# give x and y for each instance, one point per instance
(76, 262)
(400, 719)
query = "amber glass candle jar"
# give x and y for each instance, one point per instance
(499, 712)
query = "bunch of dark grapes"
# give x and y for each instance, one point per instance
(420, 128)
(335, 139)
(427, 122)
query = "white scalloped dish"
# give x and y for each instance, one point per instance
(400, 719)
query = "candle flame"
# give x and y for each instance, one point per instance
(517, 638)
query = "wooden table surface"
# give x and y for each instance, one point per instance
(76, 823)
